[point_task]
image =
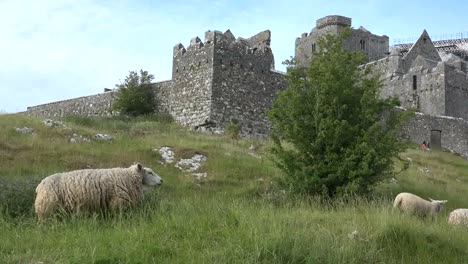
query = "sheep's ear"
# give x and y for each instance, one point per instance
(139, 166)
(432, 200)
(444, 201)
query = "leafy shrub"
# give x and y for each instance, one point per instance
(233, 130)
(135, 96)
(332, 133)
(17, 196)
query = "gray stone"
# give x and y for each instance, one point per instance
(166, 153)
(191, 164)
(200, 175)
(75, 138)
(52, 123)
(103, 137)
(24, 130)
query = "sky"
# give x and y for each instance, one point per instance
(53, 50)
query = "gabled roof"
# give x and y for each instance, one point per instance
(458, 47)
(423, 47)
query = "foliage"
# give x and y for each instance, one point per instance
(17, 196)
(135, 96)
(233, 130)
(342, 138)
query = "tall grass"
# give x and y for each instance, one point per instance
(236, 215)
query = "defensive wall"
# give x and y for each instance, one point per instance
(226, 79)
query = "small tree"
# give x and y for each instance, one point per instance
(135, 96)
(340, 137)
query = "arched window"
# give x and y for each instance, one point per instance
(362, 43)
(313, 47)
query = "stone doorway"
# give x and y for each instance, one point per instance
(436, 139)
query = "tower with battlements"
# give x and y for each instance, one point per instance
(373, 46)
(223, 79)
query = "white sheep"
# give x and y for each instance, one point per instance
(93, 190)
(458, 217)
(415, 205)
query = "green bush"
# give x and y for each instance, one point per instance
(332, 133)
(233, 130)
(135, 96)
(17, 196)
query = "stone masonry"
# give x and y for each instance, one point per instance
(226, 79)
(216, 81)
(373, 46)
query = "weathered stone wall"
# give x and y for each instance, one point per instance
(94, 105)
(162, 95)
(373, 46)
(421, 87)
(244, 83)
(382, 67)
(456, 98)
(97, 105)
(441, 89)
(192, 74)
(454, 132)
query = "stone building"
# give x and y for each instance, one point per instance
(214, 82)
(223, 79)
(373, 46)
(428, 77)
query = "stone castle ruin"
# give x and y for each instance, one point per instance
(226, 79)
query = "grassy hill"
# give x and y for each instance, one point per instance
(235, 215)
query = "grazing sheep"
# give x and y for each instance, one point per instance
(415, 205)
(458, 217)
(93, 190)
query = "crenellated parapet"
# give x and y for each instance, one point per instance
(249, 54)
(333, 21)
(224, 50)
(196, 57)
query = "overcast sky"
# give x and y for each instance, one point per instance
(53, 50)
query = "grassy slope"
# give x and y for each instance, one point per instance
(236, 215)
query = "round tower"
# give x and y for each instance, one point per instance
(338, 21)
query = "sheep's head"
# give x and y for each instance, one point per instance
(149, 177)
(439, 204)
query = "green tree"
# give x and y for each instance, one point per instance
(332, 134)
(135, 96)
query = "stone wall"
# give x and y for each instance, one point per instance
(453, 131)
(162, 95)
(373, 46)
(456, 98)
(98, 104)
(93, 105)
(192, 74)
(434, 88)
(244, 83)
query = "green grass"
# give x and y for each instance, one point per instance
(236, 215)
